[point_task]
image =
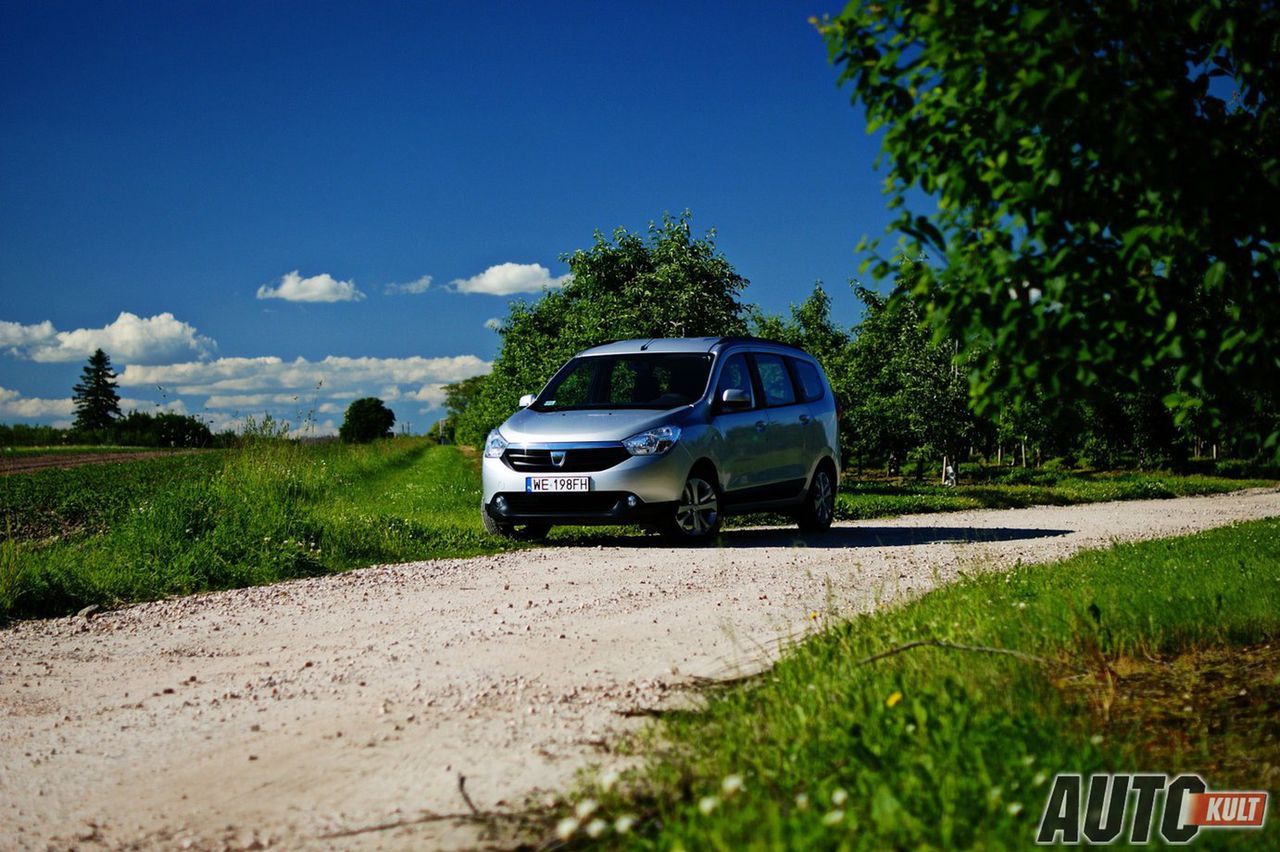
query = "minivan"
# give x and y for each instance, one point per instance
(671, 434)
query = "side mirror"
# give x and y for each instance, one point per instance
(526, 400)
(734, 398)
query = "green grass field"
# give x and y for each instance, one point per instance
(122, 532)
(1158, 656)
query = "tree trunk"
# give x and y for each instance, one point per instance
(1024, 451)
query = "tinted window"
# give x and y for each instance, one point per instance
(809, 379)
(775, 380)
(735, 374)
(658, 380)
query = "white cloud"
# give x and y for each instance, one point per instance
(493, 323)
(130, 338)
(411, 288)
(269, 382)
(318, 288)
(14, 404)
(508, 278)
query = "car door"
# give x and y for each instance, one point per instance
(742, 446)
(812, 391)
(787, 462)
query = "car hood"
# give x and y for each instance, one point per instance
(531, 427)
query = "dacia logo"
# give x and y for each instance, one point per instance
(557, 458)
(1187, 807)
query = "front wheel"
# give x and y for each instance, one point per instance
(696, 517)
(819, 508)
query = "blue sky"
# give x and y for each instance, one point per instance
(183, 182)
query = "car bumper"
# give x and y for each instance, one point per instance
(639, 489)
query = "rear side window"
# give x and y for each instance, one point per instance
(775, 380)
(809, 379)
(735, 375)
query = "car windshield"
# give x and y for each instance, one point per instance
(658, 380)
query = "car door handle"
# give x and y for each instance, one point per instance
(804, 418)
(760, 424)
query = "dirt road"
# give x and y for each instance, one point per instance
(286, 714)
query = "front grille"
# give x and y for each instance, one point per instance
(576, 459)
(578, 502)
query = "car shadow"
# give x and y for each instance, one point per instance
(843, 537)
(836, 537)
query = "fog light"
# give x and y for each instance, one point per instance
(500, 504)
(632, 502)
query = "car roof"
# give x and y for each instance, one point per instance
(689, 344)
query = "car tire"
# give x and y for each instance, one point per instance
(819, 507)
(524, 532)
(695, 519)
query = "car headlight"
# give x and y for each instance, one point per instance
(653, 442)
(494, 445)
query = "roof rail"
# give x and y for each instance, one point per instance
(749, 339)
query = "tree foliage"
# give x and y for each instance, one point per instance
(665, 284)
(366, 420)
(96, 400)
(1106, 176)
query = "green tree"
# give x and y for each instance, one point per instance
(96, 400)
(906, 391)
(625, 286)
(366, 420)
(1106, 178)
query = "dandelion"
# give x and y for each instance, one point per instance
(609, 779)
(1022, 604)
(1014, 808)
(834, 817)
(585, 808)
(893, 699)
(802, 802)
(707, 804)
(839, 797)
(731, 785)
(813, 615)
(596, 827)
(566, 827)
(623, 824)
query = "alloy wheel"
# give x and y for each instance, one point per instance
(698, 509)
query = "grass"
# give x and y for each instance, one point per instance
(1021, 488)
(274, 510)
(1148, 647)
(55, 504)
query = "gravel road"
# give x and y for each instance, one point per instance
(287, 714)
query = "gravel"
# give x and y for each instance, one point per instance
(274, 716)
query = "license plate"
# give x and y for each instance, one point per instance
(541, 484)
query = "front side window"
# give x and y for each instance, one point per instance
(736, 375)
(775, 380)
(659, 380)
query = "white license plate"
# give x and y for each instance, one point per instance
(540, 484)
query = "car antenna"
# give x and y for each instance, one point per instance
(644, 347)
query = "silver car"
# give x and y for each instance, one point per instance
(672, 434)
